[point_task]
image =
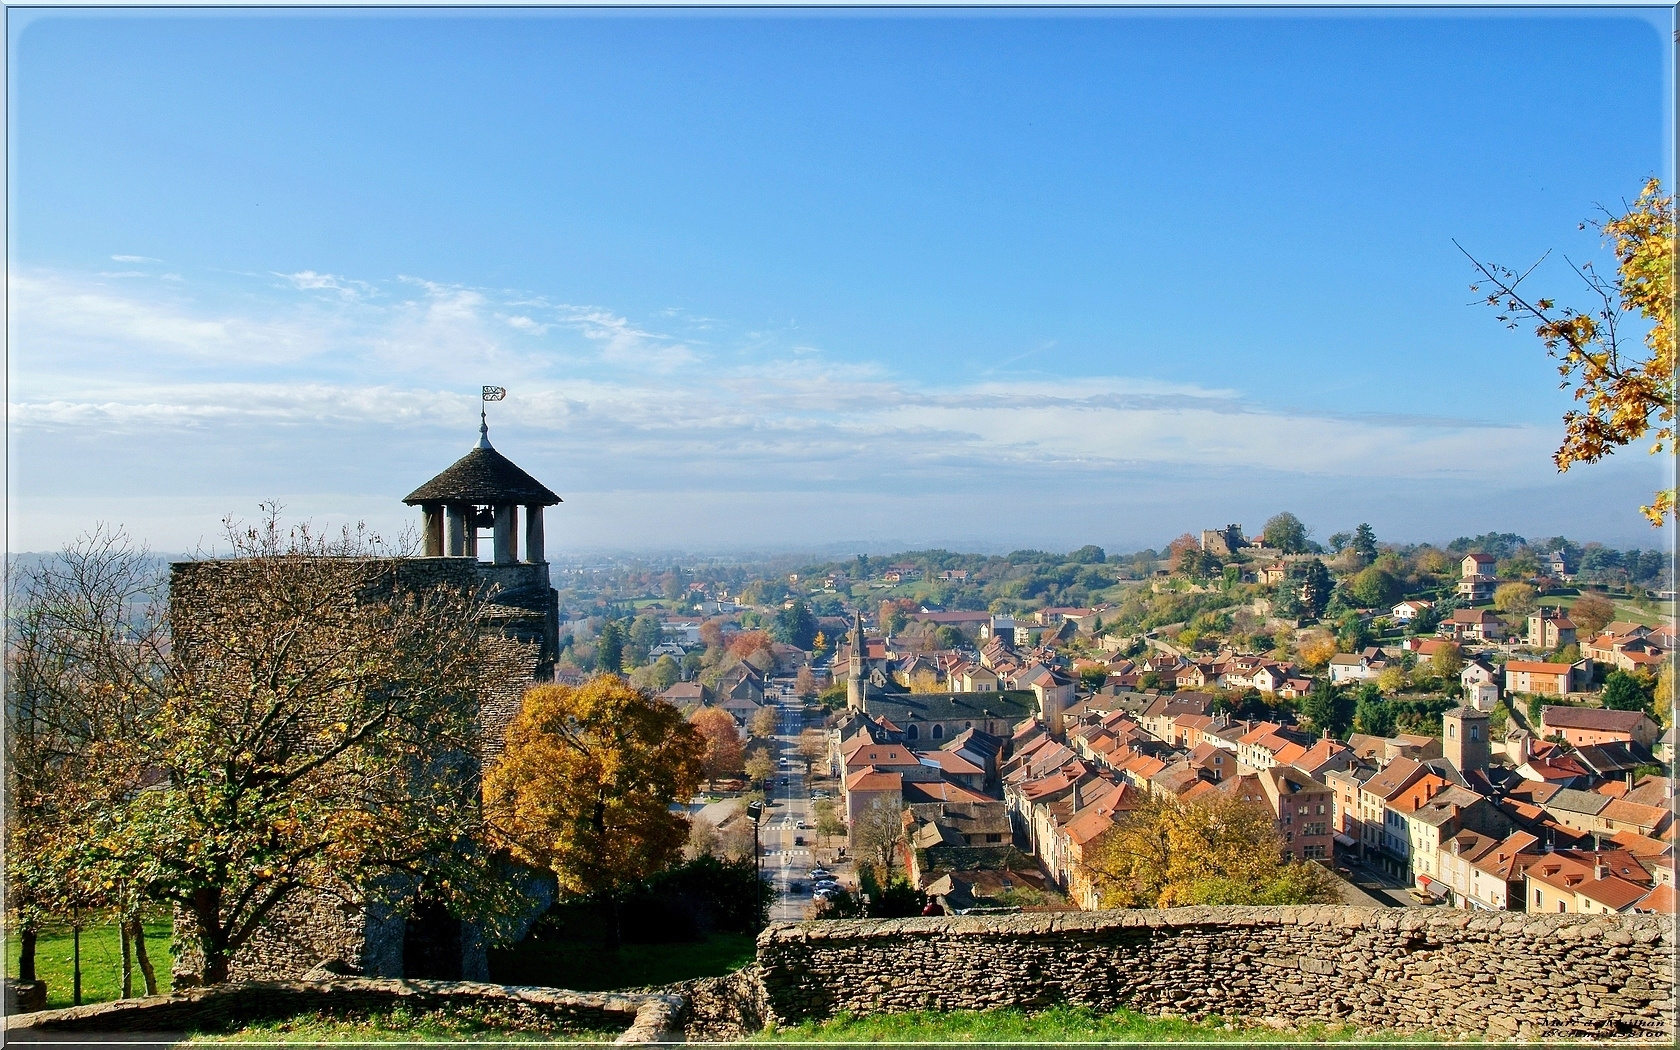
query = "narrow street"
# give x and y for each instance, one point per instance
(788, 861)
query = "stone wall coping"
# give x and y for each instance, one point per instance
(1644, 928)
(648, 1017)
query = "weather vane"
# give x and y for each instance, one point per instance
(491, 393)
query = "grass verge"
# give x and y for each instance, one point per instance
(1062, 1024)
(585, 966)
(403, 1026)
(101, 962)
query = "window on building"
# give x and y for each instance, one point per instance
(1560, 906)
(994, 838)
(910, 733)
(938, 731)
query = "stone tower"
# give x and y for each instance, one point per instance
(1464, 738)
(485, 490)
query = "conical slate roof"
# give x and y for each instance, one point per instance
(484, 476)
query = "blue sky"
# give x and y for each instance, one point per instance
(771, 279)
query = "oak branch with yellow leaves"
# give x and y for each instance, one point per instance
(1627, 394)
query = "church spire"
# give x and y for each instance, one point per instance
(854, 666)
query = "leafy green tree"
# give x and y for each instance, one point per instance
(1326, 707)
(1365, 543)
(645, 633)
(1090, 554)
(1286, 600)
(1316, 587)
(1374, 588)
(1353, 634)
(1285, 532)
(1338, 541)
(795, 625)
(1625, 692)
(1373, 715)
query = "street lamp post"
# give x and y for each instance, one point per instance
(755, 810)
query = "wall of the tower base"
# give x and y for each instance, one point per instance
(347, 933)
(365, 935)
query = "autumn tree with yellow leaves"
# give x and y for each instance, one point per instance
(1168, 853)
(585, 786)
(1627, 393)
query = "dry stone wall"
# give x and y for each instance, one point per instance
(639, 1017)
(1450, 972)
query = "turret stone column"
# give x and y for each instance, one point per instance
(458, 529)
(534, 534)
(506, 542)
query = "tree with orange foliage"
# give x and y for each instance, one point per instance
(585, 786)
(1627, 395)
(711, 634)
(720, 740)
(745, 644)
(1177, 549)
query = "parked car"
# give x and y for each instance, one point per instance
(802, 826)
(820, 872)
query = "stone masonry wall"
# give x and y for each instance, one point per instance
(314, 927)
(643, 1017)
(1450, 972)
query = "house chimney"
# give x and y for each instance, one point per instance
(1601, 871)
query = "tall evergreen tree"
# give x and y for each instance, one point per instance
(609, 648)
(1365, 542)
(1317, 586)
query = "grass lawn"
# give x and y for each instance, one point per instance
(101, 962)
(586, 966)
(400, 1026)
(1625, 609)
(1058, 1025)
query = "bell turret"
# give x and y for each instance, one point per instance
(482, 489)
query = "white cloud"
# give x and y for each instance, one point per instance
(309, 280)
(184, 391)
(134, 258)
